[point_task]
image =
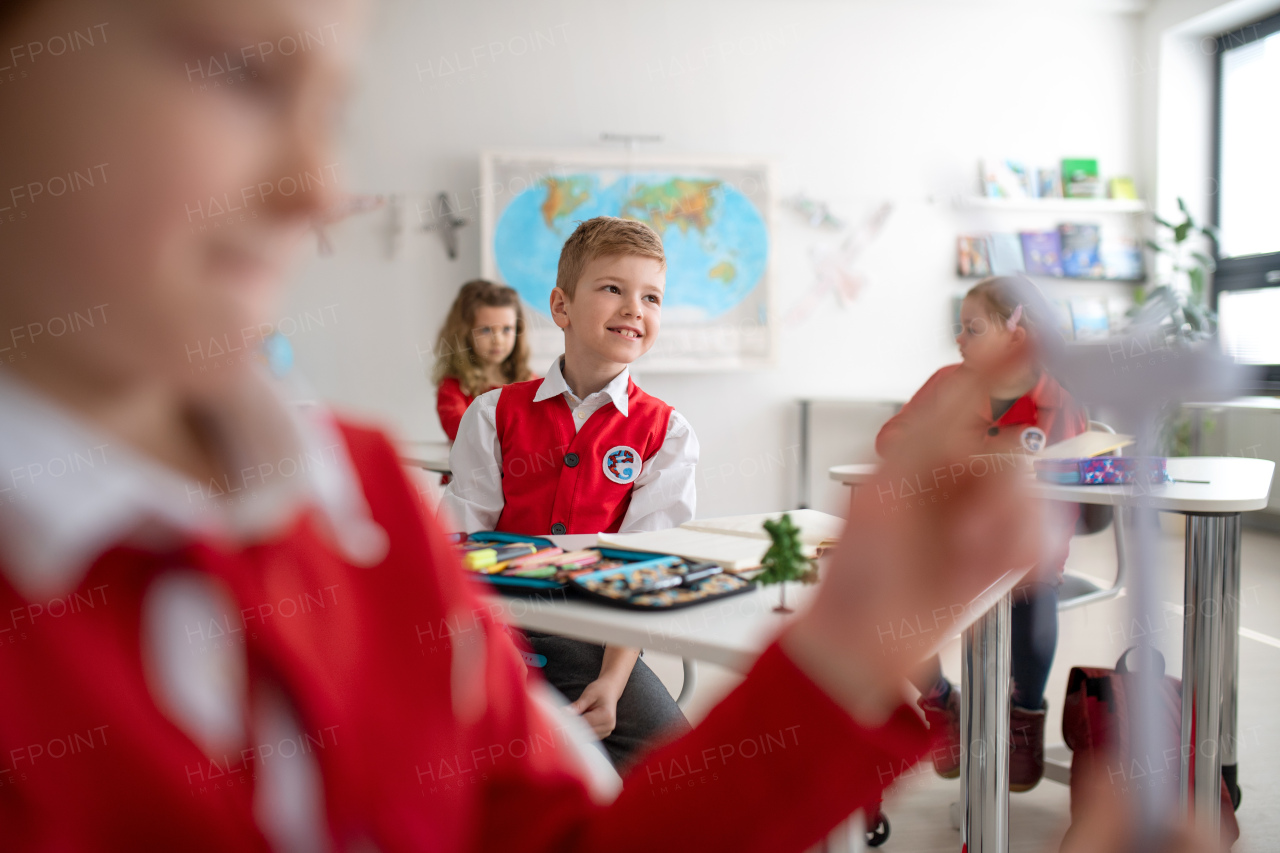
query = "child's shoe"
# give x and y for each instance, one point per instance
(943, 717)
(1026, 748)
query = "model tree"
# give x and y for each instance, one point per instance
(785, 559)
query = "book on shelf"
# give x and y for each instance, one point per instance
(1122, 188)
(1090, 318)
(1050, 183)
(1042, 252)
(1005, 178)
(736, 543)
(1080, 257)
(1121, 258)
(1062, 318)
(1005, 254)
(971, 256)
(1080, 178)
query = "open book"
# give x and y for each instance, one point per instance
(736, 542)
(1091, 443)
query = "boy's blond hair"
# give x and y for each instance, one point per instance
(601, 236)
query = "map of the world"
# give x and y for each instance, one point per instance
(714, 232)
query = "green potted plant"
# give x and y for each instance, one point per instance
(785, 559)
(1177, 309)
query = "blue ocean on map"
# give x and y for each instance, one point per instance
(715, 239)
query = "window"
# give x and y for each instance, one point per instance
(1248, 149)
(1247, 205)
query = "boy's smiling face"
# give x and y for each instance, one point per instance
(616, 309)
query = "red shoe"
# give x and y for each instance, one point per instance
(1026, 748)
(944, 727)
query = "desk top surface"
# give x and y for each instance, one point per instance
(731, 632)
(1240, 403)
(1221, 484)
(429, 455)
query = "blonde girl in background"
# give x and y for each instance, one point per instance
(482, 346)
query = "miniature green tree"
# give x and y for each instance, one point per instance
(785, 559)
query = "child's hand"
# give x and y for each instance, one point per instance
(934, 529)
(598, 705)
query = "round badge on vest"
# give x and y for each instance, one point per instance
(621, 464)
(1034, 439)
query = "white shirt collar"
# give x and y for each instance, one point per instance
(554, 385)
(69, 492)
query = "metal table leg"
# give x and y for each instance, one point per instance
(1212, 546)
(1230, 655)
(984, 729)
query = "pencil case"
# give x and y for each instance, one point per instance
(505, 583)
(1104, 470)
(653, 581)
(657, 582)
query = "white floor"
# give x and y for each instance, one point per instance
(1095, 636)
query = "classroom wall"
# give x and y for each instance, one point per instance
(857, 103)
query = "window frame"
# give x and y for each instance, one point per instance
(1247, 272)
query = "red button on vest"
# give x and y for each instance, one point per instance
(541, 490)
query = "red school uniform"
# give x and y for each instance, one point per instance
(1044, 415)
(451, 405)
(558, 480)
(410, 707)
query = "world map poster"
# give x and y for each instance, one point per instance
(712, 215)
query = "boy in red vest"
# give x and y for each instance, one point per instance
(586, 451)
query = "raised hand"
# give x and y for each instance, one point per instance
(932, 541)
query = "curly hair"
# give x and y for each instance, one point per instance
(455, 349)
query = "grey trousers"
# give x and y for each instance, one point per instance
(647, 714)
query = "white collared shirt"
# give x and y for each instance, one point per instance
(664, 495)
(69, 492)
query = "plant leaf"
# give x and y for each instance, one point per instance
(1182, 205)
(1155, 247)
(1196, 276)
(1180, 232)
(1166, 223)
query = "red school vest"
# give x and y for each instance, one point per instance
(556, 481)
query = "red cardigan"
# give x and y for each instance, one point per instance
(451, 405)
(412, 757)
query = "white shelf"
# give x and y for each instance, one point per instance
(1034, 276)
(1055, 205)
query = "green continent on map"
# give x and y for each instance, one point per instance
(564, 196)
(723, 272)
(684, 203)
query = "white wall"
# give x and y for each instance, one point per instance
(857, 103)
(1178, 52)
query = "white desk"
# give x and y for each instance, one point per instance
(428, 455)
(1210, 645)
(730, 633)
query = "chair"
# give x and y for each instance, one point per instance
(1079, 590)
(689, 684)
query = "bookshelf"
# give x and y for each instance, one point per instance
(1054, 205)
(982, 214)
